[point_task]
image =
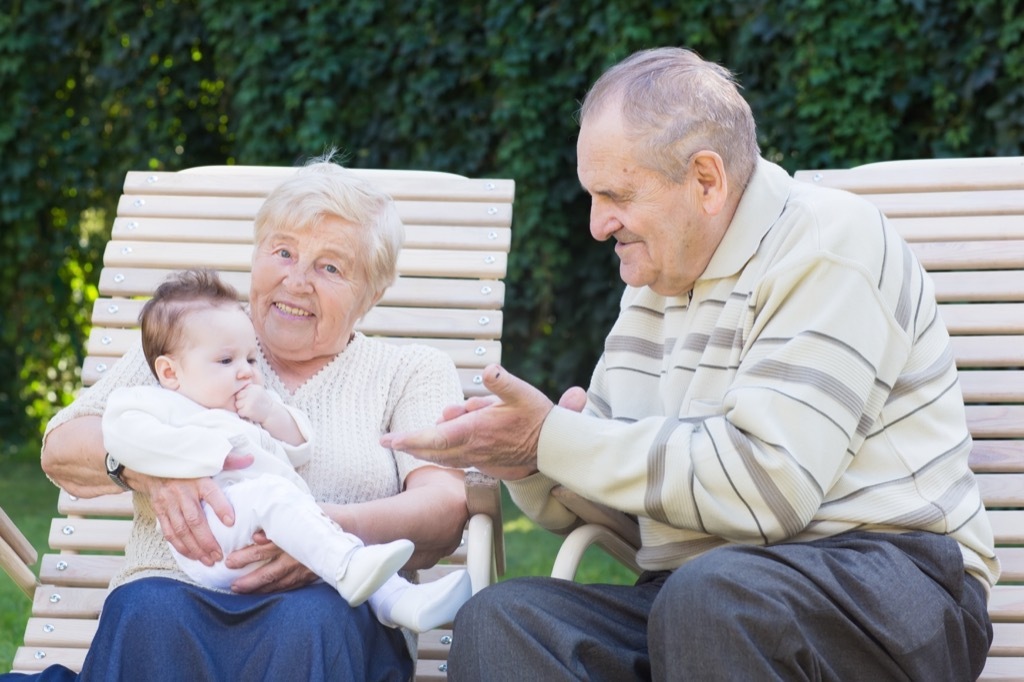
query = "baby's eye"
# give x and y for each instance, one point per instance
(225, 361)
(252, 361)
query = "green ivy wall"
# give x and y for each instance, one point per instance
(93, 88)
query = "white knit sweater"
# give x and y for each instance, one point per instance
(370, 388)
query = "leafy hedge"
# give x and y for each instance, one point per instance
(95, 88)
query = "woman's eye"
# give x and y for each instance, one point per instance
(284, 253)
(332, 269)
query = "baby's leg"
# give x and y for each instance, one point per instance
(400, 603)
(230, 538)
(293, 520)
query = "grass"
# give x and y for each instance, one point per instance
(31, 501)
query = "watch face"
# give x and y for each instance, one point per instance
(112, 464)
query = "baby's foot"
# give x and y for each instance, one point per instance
(369, 567)
(429, 605)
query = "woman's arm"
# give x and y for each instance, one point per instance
(73, 457)
(431, 512)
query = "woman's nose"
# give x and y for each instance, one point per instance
(298, 277)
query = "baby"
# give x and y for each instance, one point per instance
(202, 347)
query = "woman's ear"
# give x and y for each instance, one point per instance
(709, 172)
(166, 372)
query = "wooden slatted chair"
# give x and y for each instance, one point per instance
(449, 295)
(964, 219)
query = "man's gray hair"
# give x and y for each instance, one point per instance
(674, 104)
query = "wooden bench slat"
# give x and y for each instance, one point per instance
(998, 456)
(983, 318)
(449, 323)
(1008, 640)
(477, 353)
(929, 204)
(976, 255)
(988, 351)
(406, 291)
(86, 534)
(1011, 560)
(477, 214)
(60, 632)
(238, 257)
(960, 228)
(996, 421)
(977, 286)
(61, 601)
(80, 570)
(993, 386)
(34, 659)
(932, 176)
(1007, 526)
(1002, 490)
(93, 369)
(203, 231)
(104, 505)
(258, 182)
(999, 669)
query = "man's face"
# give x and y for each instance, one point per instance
(660, 229)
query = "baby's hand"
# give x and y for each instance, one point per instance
(254, 403)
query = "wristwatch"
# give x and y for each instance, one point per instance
(115, 470)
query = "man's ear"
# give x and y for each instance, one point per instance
(166, 372)
(709, 172)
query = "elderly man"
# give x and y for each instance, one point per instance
(777, 404)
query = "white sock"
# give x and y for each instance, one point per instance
(422, 607)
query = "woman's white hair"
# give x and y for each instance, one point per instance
(323, 189)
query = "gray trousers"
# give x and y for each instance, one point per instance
(858, 606)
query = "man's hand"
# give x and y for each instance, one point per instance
(177, 504)
(280, 572)
(496, 434)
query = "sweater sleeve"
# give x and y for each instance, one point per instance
(427, 384)
(752, 462)
(140, 434)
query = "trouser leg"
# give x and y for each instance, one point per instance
(293, 520)
(546, 629)
(854, 607)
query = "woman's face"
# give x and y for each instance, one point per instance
(308, 290)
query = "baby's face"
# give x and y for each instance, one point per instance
(218, 358)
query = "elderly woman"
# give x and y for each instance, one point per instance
(326, 248)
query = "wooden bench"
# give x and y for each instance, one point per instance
(449, 294)
(964, 219)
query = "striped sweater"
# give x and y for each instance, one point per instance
(805, 387)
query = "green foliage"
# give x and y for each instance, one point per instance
(95, 88)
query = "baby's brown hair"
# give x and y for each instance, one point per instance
(181, 293)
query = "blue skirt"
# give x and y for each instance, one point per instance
(159, 630)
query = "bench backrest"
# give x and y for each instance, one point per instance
(449, 294)
(964, 219)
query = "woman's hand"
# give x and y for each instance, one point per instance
(281, 572)
(177, 504)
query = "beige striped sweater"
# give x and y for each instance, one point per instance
(806, 389)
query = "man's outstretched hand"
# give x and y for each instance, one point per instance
(497, 434)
